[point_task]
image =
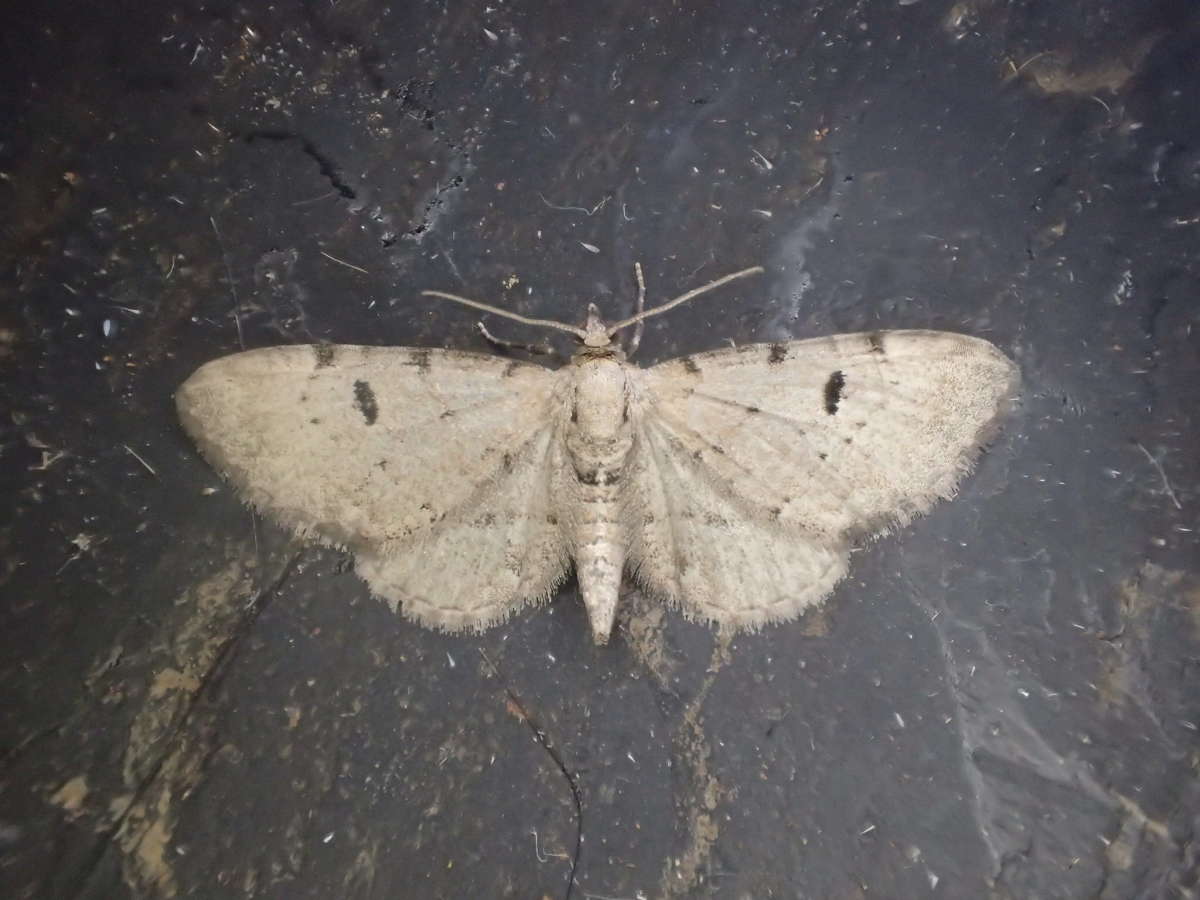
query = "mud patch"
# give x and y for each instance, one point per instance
(698, 801)
(144, 835)
(644, 620)
(1127, 645)
(360, 877)
(71, 796)
(1053, 72)
(213, 609)
(816, 622)
(163, 761)
(1191, 602)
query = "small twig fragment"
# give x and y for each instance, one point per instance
(134, 454)
(761, 161)
(344, 263)
(587, 212)
(541, 737)
(1161, 474)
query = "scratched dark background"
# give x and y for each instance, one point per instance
(1003, 700)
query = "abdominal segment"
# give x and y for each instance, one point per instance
(599, 437)
(599, 561)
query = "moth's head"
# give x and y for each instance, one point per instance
(595, 334)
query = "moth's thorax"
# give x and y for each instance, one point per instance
(600, 410)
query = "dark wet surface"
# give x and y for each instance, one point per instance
(1001, 699)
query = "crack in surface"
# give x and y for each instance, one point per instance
(328, 168)
(1002, 750)
(542, 738)
(119, 828)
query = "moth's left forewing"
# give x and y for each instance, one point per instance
(844, 433)
(775, 456)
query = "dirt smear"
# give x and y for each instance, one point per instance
(70, 798)
(1055, 72)
(697, 802)
(643, 622)
(163, 759)
(1128, 645)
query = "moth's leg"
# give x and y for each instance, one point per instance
(636, 340)
(531, 349)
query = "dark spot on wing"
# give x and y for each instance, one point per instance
(777, 354)
(689, 365)
(591, 478)
(325, 354)
(833, 391)
(420, 359)
(510, 368)
(875, 339)
(365, 402)
(610, 478)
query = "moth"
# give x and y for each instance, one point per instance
(731, 484)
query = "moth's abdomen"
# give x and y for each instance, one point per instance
(599, 437)
(599, 563)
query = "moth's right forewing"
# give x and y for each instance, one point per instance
(362, 446)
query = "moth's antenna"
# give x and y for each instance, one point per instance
(684, 298)
(542, 323)
(636, 340)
